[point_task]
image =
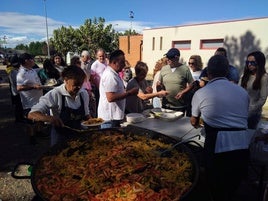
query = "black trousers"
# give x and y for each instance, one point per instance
(224, 171)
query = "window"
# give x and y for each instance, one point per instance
(153, 44)
(211, 43)
(182, 45)
(161, 42)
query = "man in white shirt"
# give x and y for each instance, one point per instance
(98, 66)
(97, 70)
(28, 83)
(112, 92)
(30, 90)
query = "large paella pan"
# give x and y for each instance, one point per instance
(115, 164)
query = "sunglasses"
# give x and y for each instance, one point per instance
(252, 63)
(189, 63)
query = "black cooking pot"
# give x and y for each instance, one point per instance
(129, 130)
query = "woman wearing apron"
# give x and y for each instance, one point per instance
(66, 104)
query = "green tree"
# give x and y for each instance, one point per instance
(129, 32)
(44, 48)
(238, 48)
(93, 34)
(22, 47)
(64, 39)
(35, 48)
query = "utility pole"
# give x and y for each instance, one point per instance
(5, 42)
(131, 16)
(48, 51)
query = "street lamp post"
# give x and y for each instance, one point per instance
(48, 51)
(5, 42)
(131, 16)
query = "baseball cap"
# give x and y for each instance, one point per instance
(172, 53)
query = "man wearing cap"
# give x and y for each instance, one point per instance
(174, 78)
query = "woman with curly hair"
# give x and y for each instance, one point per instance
(255, 80)
(157, 102)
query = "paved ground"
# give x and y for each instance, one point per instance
(16, 148)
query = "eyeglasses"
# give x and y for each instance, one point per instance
(252, 63)
(189, 63)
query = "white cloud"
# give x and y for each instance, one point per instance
(19, 28)
(122, 26)
(23, 28)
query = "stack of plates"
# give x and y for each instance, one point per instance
(158, 110)
(170, 116)
(166, 114)
(135, 117)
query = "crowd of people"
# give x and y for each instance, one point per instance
(227, 103)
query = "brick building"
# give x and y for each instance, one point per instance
(132, 47)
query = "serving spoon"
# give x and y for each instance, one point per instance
(168, 151)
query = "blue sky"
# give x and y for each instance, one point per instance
(23, 21)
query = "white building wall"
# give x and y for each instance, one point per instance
(254, 32)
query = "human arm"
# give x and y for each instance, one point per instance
(159, 94)
(195, 121)
(183, 92)
(48, 108)
(28, 80)
(29, 87)
(188, 81)
(39, 116)
(196, 112)
(112, 96)
(258, 103)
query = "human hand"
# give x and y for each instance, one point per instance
(133, 91)
(179, 95)
(162, 93)
(55, 121)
